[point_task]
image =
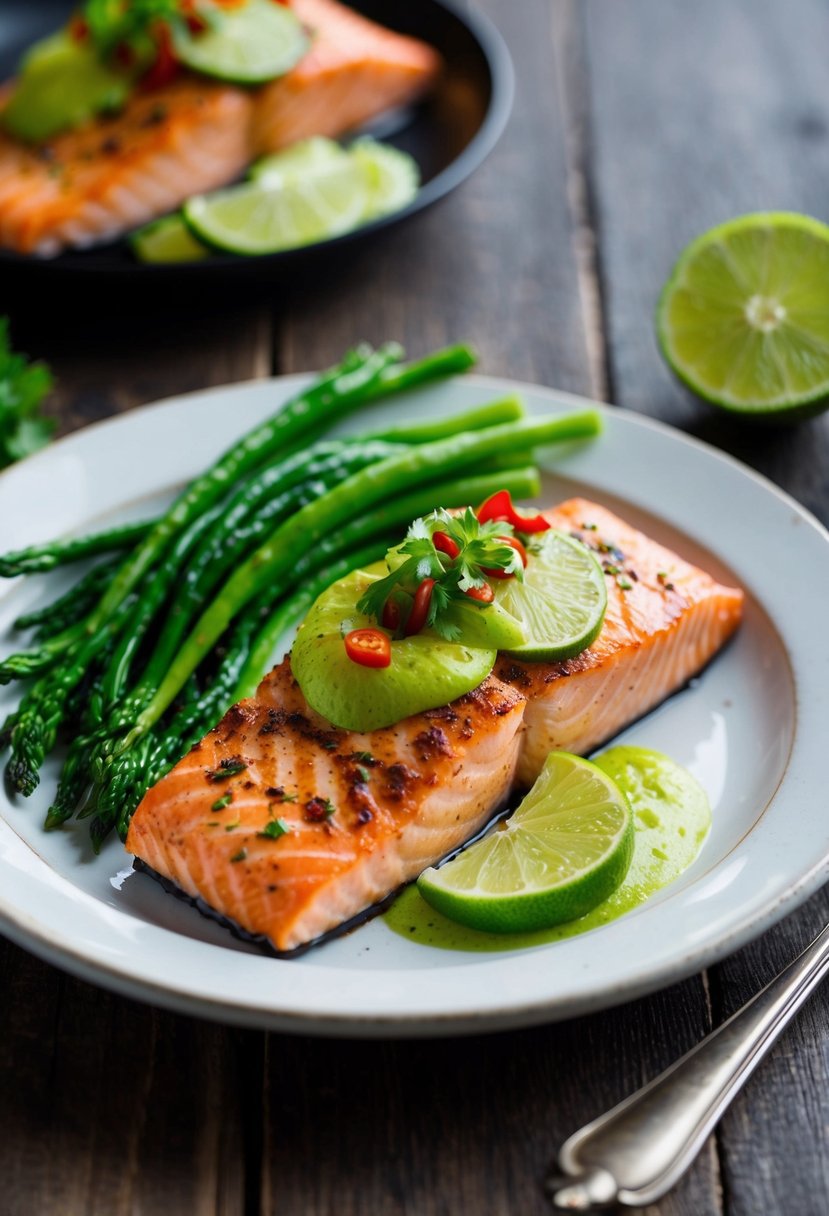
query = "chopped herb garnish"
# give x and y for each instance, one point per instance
(23, 385)
(274, 829)
(221, 803)
(330, 745)
(363, 757)
(213, 823)
(227, 768)
(240, 856)
(590, 527)
(624, 583)
(610, 568)
(480, 547)
(289, 797)
(363, 774)
(230, 826)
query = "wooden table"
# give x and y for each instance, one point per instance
(636, 126)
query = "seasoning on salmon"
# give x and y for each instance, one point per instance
(361, 814)
(665, 619)
(194, 135)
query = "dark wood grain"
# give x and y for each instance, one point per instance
(635, 127)
(698, 114)
(108, 1107)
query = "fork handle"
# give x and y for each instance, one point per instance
(637, 1151)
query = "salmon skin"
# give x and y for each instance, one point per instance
(93, 183)
(366, 813)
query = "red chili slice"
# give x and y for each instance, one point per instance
(420, 607)
(444, 544)
(484, 595)
(368, 647)
(391, 615)
(499, 506)
(166, 66)
(514, 543)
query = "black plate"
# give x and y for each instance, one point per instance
(448, 135)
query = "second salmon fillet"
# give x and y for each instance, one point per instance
(359, 815)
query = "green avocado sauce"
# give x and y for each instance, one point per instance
(672, 817)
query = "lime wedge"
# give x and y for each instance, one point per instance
(248, 44)
(561, 602)
(744, 317)
(565, 850)
(257, 218)
(306, 156)
(166, 240)
(393, 176)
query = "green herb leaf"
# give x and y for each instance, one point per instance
(23, 385)
(274, 828)
(221, 803)
(227, 768)
(240, 856)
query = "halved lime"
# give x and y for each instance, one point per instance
(565, 850)
(167, 240)
(561, 602)
(305, 156)
(744, 317)
(247, 44)
(393, 176)
(258, 217)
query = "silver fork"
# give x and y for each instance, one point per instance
(635, 1153)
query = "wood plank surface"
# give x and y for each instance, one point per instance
(107, 1106)
(699, 113)
(635, 127)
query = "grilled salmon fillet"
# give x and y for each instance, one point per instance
(91, 184)
(665, 619)
(366, 813)
(193, 135)
(354, 70)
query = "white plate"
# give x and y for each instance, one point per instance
(753, 729)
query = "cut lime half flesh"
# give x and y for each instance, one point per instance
(258, 217)
(561, 602)
(744, 318)
(251, 43)
(565, 850)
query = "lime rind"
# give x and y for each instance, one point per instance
(743, 319)
(561, 602)
(565, 850)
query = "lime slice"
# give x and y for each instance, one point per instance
(561, 602)
(167, 240)
(565, 850)
(306, 156)
(257, 218)
(744, 317)
(249, 44)
(393, 176)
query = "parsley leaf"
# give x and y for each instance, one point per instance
(23, 385)
(480, 547)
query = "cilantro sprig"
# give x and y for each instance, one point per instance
(480, 548)
(23, 385)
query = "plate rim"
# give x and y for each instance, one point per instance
(21, 928)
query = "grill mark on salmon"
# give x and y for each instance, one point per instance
(92, 184)
(371, 811)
